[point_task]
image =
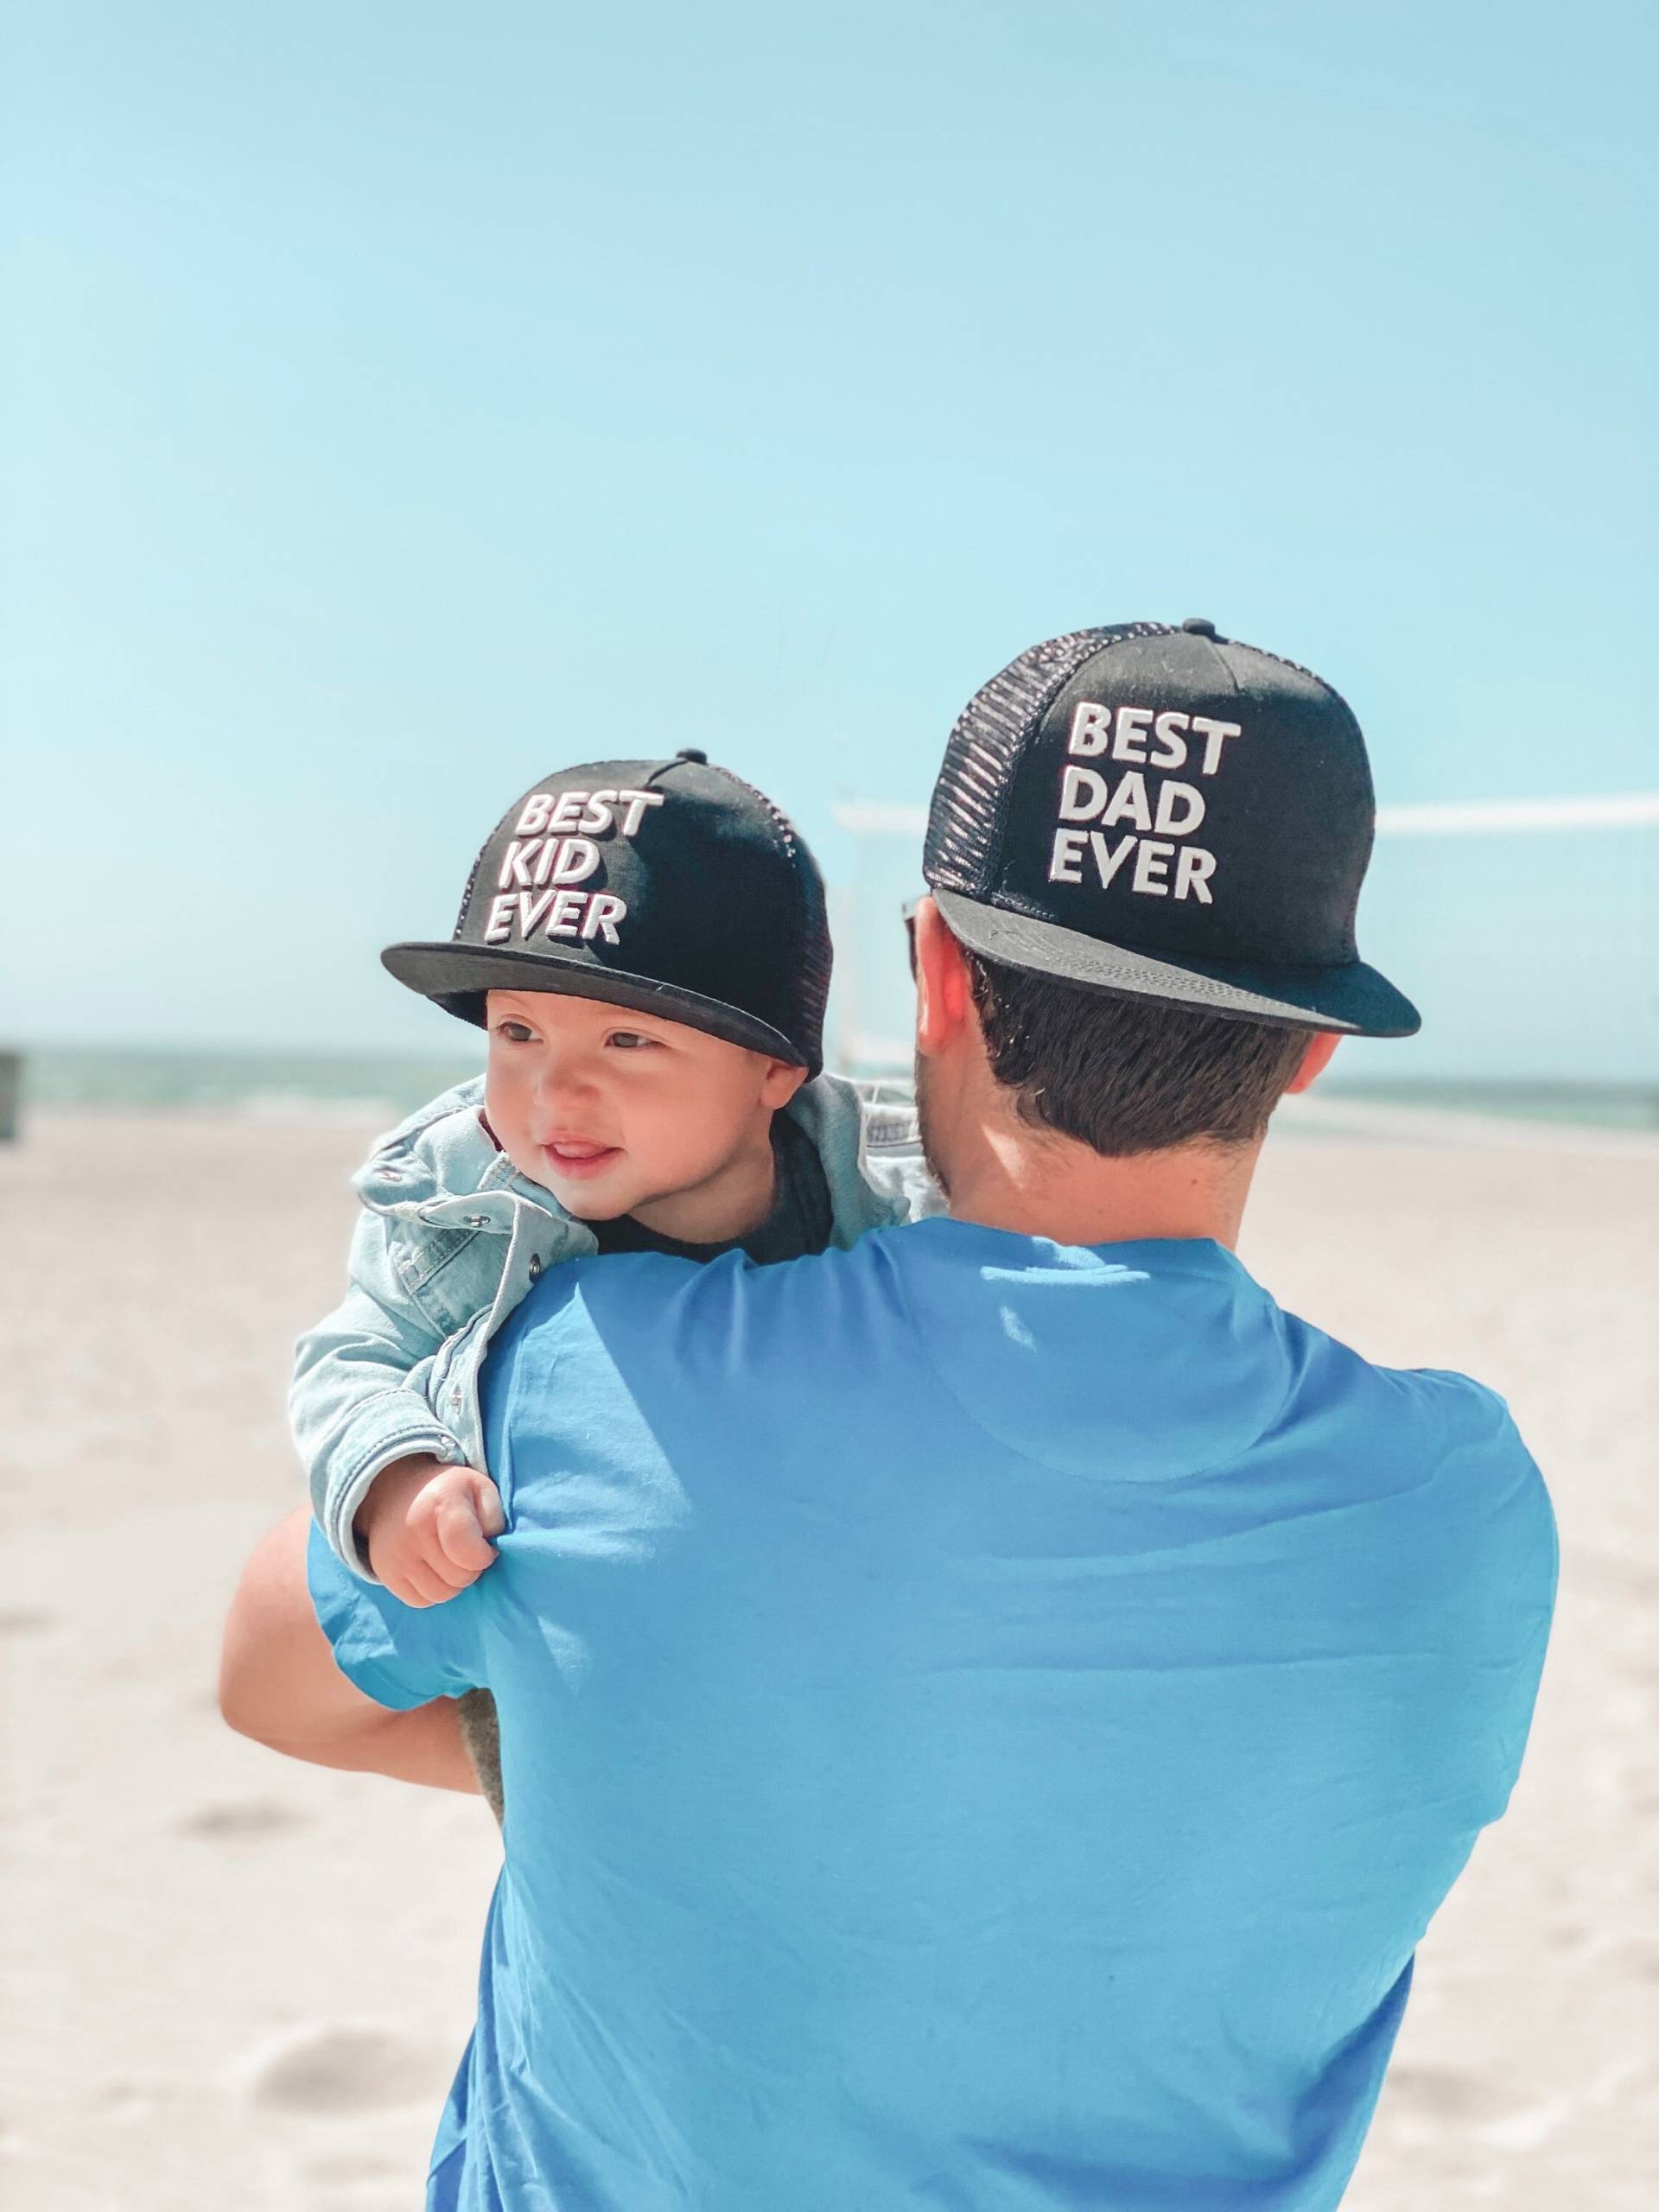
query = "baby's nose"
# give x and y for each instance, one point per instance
(563, 1074)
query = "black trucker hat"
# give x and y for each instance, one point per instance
(669, 886)
(1161, 811)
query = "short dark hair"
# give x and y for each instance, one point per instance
(1123, 1074)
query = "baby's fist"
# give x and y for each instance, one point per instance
(426, 1525)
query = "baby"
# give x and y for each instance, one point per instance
(645, 944)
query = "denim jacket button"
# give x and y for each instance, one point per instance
(535, 1267)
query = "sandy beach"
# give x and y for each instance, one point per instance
(233, 1981)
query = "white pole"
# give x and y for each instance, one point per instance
(1458, 817)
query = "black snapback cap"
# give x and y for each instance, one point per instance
(1160, 810)
(669, 886)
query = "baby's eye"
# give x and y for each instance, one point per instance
(515, 1032)
(629, 1040)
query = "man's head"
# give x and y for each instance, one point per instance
(1146, 849)
(1064, 1067)
(614, 1111)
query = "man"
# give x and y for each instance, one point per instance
(987, 1715)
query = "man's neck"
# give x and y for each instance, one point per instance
(1003, 1174)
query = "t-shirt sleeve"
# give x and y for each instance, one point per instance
(400, 1655)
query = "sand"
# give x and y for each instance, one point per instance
(229, 1981)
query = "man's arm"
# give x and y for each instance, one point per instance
(278, 1682)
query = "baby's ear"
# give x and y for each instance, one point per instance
(780, 1082)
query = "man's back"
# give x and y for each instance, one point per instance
(985, 1724)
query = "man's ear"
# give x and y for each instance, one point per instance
(944, 997)
(1315, 1060)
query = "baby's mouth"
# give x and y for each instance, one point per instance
(579, 1155)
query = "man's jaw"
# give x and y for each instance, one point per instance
(923, 1082)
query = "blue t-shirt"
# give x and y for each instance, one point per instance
(985, 1724)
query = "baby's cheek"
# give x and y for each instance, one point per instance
(504, 1109)
(652, 1147)
(687, 1153)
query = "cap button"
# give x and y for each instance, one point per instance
(1200, 625)
(693, 753)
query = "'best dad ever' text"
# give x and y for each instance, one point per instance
(1170, 811)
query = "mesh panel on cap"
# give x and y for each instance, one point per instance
(971, 797)
(467, 895)
(815, 955)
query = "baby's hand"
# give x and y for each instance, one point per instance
(427, 1524)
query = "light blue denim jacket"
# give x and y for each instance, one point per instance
(450, 1238)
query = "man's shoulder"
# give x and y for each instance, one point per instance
(623, 1370)
(1453, 1412)
(1458, 1452)
(721, 1320)
(1432, 1412)
(1475, 1430)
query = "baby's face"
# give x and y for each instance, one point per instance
(611, 1110)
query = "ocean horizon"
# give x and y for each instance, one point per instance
(384, 1086)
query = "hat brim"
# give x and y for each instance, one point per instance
(1353, 999)
(456, 976)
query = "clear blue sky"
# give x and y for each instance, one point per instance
(401, 400)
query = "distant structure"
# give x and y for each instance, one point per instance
(11, 1087)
